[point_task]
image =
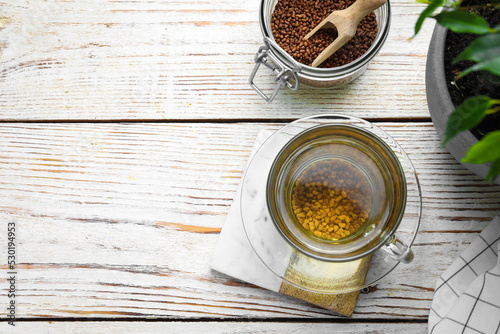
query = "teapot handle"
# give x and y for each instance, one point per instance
(398, 250)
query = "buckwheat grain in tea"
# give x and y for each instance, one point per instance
(293, 19)
(331, 199)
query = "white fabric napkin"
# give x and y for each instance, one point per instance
(467, 295)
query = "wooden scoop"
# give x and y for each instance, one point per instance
(345, 22)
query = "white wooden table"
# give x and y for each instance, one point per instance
(125, 127)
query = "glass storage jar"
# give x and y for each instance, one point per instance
(292, 74)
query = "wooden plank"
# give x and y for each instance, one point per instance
(218, 327)
(119, 220)
(188, 59)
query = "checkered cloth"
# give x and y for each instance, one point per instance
(467, 295)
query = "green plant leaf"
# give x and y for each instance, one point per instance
(485, 150)
(460, 21)
(492, 66)
(466, 116)
(483, 48)
(494, 171)
(428, 11)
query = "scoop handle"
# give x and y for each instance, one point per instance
(358, 10)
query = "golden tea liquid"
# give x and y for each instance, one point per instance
(331, 199)
(335, 191)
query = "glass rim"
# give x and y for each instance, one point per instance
(279, 163)
(276, 254)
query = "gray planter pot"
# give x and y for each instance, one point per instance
(440, 104)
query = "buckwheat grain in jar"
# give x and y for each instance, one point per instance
(290, 68)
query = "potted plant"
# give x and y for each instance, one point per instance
(463, 81)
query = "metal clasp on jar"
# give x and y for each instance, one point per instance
(284, 72)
